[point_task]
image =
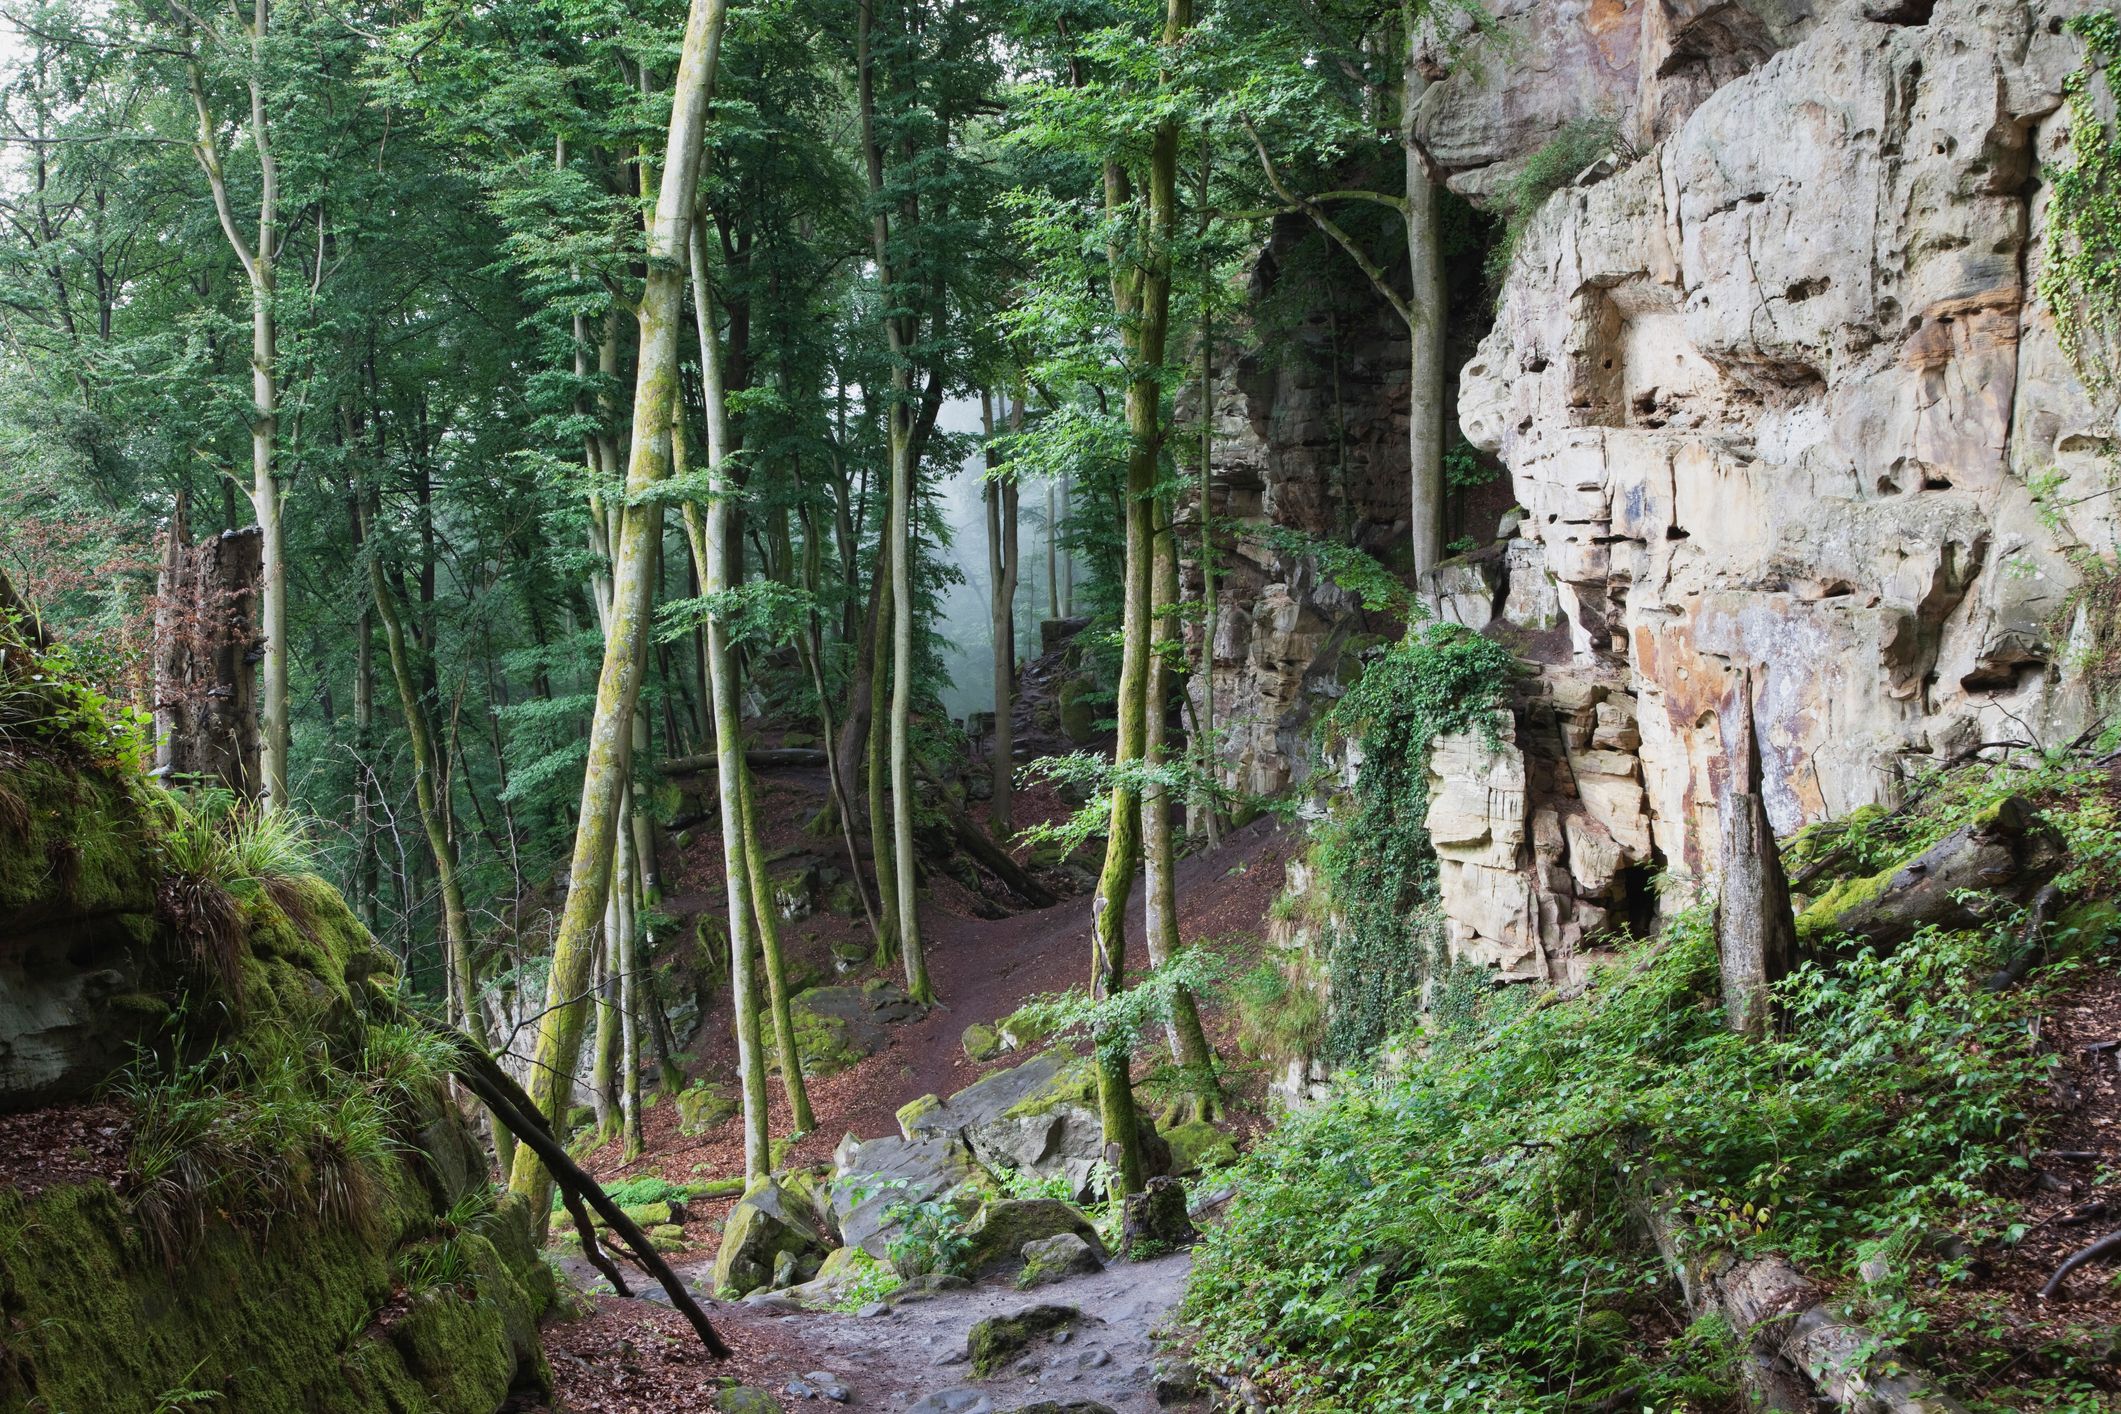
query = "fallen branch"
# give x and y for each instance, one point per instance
(499, 1092)
(2032, 941)
(1796, 1342)
(759, 758)
(2104, 1247)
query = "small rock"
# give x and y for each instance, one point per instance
(1028, 1366)
(875, 1308)
(955, 1401)
(1063, 1337)
(1175, 1381)
(1093, 1359)
(1071, 1406)
(799, 1389)
(829, 1385)
(743, 1399)
(952, 1357)
(981, 1042)
(783, 1269)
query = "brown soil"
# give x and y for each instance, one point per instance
(63, 1144)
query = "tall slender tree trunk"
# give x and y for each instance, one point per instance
(1189, 1042)
(899, 422)
(259, 260)
(462, 981)
(625, 953)
(769, 933)
(1001, 496)
(619, 681)
(712, 549)
(876, 767)
(1141, 290)
(1053, 599)
(1426, 302)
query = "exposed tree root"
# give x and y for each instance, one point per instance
(2106, 1246)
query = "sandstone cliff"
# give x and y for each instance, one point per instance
(1774, 394)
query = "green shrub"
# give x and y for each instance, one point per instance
(1461, 1237)
(1579, 143)
(1278, 1019)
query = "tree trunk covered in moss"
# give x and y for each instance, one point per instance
(769, 932)
(1141, 296)
(619, 680)
(1189, 1043)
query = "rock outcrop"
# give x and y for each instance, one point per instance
(1771, 395)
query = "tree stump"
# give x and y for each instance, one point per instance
(206, 651)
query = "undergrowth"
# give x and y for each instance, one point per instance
(1375, 859)
(1461, 1237)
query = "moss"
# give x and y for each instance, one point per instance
(913, 1112)
(1822, 915)
(1198, 1145)
(1073, 1085)
(82, 846)
(282, 1321)
(996, 1340)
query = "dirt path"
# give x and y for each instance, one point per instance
(888, 1361)
(636, 1356)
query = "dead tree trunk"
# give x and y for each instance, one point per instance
(1756, 934)
(207, 646)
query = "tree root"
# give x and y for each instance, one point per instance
(2106, 1246)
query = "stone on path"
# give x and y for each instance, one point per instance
(1003, 1226)
(1055, 1258)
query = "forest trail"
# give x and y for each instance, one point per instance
(635, 1355)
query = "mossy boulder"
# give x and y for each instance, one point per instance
(918, 1118)
(997, 1340)
(835, 1029)
(764, 1224)
(1056, 1258)
(1001, 1229)
(1198, 1145)
(744, 1399)
(981, 1042)
(1078, 713)
(702, 1106)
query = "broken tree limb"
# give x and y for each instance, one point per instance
(499, 1092)
(759, 758)
(1959, 882)
(2032, 941)
(1796, 1342)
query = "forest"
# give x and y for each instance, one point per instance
(1415, 696)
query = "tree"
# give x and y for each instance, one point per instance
(1000, 496)
(655, 407)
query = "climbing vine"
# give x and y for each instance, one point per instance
(1376, 860)
(2081, 281)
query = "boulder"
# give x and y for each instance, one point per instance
(834, 1029)
(1003, 1227)
(981, 1042)
(998, 1339)
(702, 1106)
(744, 1399)
(1198, 1145)
(765, 1224)
(883, 1172)
(964, 1400)
(1055, 1258)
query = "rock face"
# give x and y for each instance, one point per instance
(297, 1299)
(1771, 395)
(1310, 440)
